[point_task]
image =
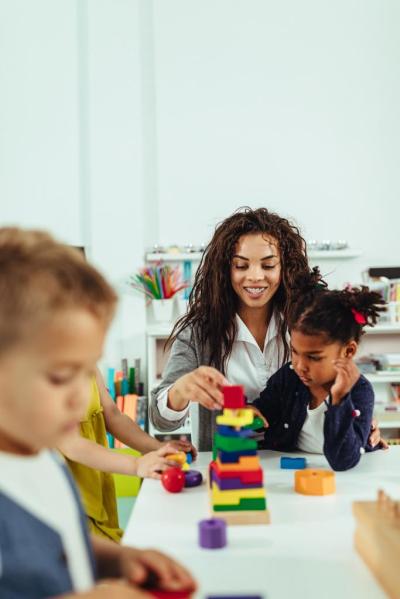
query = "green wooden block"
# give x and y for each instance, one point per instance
(234, 443)
(255, 425)
(244, 505)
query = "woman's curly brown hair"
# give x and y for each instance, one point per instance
(213, 303)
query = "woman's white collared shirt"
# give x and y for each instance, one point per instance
(247, 365)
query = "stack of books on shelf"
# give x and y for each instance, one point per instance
(127, 391)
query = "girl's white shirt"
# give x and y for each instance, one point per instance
(311, 437)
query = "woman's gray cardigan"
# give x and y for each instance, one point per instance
(186, 355)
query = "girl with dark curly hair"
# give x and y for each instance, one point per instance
(235, 328)
(319, 402)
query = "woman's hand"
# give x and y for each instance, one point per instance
(153, 463)
(202, 385)
(375, 436)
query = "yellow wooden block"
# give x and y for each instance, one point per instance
(234, 497)
(314, 482)
(236, 417)
(179, 457)
(245, 463)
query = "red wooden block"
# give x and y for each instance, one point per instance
(161, 594)
(233, 397)
(245, 476)
(173, 480)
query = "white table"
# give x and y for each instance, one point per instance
(307, 550)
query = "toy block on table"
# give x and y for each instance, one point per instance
(314, 482)
(245, 463)
(232, 497)
(293, 463)
(232, 457)
(238, 418)
(230, 431)
(225, 484)
(179, 457)
(236, 444)
(377, 540)
(236, 489)
(245, 476)
(255, 425)
(234, 397)
(162, 594)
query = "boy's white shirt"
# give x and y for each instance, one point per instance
(311, 437)
(247, 365)
(39, 486)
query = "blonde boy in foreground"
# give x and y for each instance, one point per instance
(54, 313)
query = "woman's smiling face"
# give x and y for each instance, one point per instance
(255, 269)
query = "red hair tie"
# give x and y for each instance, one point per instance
(358, 317)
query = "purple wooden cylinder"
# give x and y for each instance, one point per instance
(212, 533)
(193, 478)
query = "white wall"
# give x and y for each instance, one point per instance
(290, 105)
(125, 123)
(39, 132)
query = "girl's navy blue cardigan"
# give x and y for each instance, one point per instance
(284, 404)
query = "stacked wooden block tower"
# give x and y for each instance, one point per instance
(235, 476)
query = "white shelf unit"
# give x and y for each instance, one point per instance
(157, 335)
(196, 256)
(381, 339)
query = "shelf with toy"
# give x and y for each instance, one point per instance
(344, 254)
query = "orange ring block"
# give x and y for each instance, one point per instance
(245, 463)
(314, 482)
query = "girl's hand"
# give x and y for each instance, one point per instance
(346, 377)
(153, 463)
(258, 413)
(202, 385)
(375, 436)
(153, 569)
(182, 445)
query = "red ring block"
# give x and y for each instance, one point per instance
(245, 476)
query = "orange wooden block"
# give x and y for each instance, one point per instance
(314, 482)
(245, 463)
(179, 457)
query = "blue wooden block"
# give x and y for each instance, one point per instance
(293, 463)
(232, 457)
(229, 431)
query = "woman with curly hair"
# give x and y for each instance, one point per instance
(235, 328)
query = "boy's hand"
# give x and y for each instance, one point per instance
(155, 570)
(112, 589)
(153, 463)
(347, 374)
(182, 445)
